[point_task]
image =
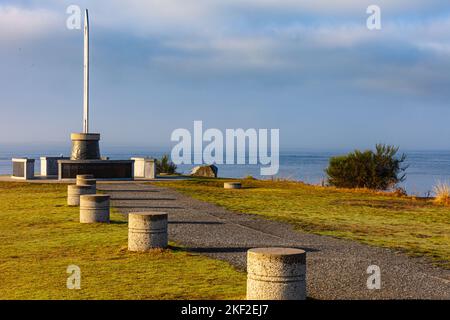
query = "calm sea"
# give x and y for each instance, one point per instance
(426, 168)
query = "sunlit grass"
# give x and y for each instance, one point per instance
(416, 226)
(442, 193)
(40, 236)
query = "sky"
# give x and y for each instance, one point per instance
(309, 68)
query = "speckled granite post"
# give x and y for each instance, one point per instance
(94, 208)
(276, 274)
(85, 176)
(86, 180)
(232, 185)
(75, 191)
(147, 230)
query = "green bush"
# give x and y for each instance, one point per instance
(379, 170)
(165, 166)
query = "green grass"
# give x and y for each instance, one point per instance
(40, 237)
(415, 226)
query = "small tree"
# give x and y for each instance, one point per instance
(378, 170)
(165, 165)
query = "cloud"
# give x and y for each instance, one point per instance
(21, 23)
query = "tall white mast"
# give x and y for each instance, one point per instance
(86, 75)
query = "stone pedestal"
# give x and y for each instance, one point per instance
(75, 191)
(276, 274)
(147, 230)
(232, 185)
(85, 146)
(144, 168)
(49, 166)
(23, 168)
(94, 208)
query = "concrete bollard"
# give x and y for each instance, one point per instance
(147, 230)
(75, 191)
(276, 274)
(85, 176)
(84, 179)
(232, 185)
(94, 208)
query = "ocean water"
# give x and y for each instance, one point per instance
(426, 168)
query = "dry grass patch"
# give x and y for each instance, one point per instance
(442, 193)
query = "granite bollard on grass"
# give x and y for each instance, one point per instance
(75, 191)
(85, 176)
(94, 208)
(147, 230)
(276, 274)
(86, 180)
(232, 185)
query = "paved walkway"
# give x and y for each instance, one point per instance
(336, 269)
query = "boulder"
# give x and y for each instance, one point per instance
(205, 171)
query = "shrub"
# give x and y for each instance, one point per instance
(442, 193)
(379, 170)
(165, 166)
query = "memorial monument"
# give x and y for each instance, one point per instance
(85, 157)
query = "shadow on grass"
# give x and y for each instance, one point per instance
(117, 222)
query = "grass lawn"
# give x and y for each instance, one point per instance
(415, 226)
(40, 237)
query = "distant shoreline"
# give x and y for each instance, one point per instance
(426, 169)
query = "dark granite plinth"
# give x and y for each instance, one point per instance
(101, 169)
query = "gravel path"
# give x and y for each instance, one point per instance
(336, 269)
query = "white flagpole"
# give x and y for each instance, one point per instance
(86, 75)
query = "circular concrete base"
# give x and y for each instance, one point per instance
(94, 208)
(147, 230)
(75, 191)
(276, 274)
(232, 185)
(87, 182)
(85, 176)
